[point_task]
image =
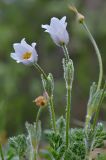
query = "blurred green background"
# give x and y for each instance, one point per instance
(19, 84)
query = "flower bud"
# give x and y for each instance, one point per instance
(48, 84)
(79, 16)
(68, 72)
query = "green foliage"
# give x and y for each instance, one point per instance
(61, 125)
(57, 146)
(100, 136)
(95, 138)
(57, 140)
(101, 157)
(19, 145)
(77, 144)
(34, 134)
(25, 146)
(46, 154)
(58, 149)
(69, 155)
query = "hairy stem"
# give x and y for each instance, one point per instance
(68, 87)
(98, 55)
(68, 114)
(37, 117)
(52, 113)
(1, 152)
(40, 70)
(65, 52)
(37, 120)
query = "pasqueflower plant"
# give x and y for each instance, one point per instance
(64, 142)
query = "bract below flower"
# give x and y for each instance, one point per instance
(24, 53)
(57, 31)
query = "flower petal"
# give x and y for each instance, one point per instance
(33, 44)
(14, 56)
(45, 26)
(19, 48)
(55, 24)
(63, 19)
(25, 44)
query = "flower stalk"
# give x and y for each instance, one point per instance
(37, 117)
(68, 76)
(100, 71)
(1, 152)
(40, 70)
(68, 109)
(97, 53)
(37, 120)
(52, 113)
(98, 92)
(65, 50)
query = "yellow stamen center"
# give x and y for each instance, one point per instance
(26, 55)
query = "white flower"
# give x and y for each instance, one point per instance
(57, 31)
(24, 53)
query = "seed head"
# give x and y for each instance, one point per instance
(40, 101)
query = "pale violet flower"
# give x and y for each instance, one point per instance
(57, 30)
(24, 53)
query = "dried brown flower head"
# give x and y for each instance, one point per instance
(40, 101)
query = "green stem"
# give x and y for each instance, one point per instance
(68, 114)
(97, 53)
(52, 113)
(65, 52)
(40, 70)
(1, 152)
(37, 120)
(37, 117)
(68, 107)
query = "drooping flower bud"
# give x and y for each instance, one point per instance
(79, 16)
